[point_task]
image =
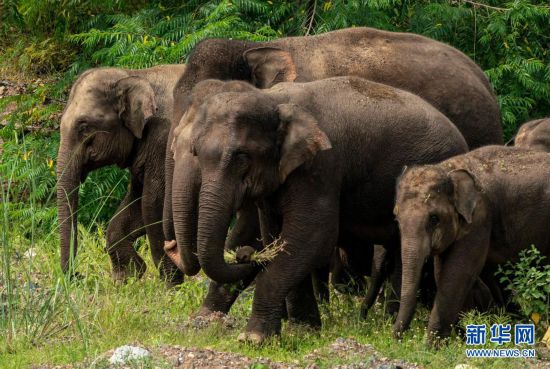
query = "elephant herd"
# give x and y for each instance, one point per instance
(349, 148)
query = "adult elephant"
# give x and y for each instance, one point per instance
(534, 135)
(471, 212)
(439, 73)
(320, 160)
(118, 117)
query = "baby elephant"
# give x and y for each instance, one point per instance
(534, 135)
(472, 211)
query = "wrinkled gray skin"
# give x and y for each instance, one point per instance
(118, 117)
(472, 211)
(440, 74)
(347, 275)
(534, 135)
(304, 153)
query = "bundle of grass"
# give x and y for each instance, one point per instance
(248, 254)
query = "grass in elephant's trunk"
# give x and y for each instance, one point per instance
(262, 257)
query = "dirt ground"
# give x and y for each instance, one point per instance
(345, 350)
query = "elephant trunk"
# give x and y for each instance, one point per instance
(185, 198)
(69, 175)
(215, 212)
(414, 252)
(168, 221)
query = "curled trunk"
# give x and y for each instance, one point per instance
(413, 254)
(69, 173)
(215, 212)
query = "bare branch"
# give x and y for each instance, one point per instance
(484, 5)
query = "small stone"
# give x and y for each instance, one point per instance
(386, 366)
(124, 354)
(29, 254)
(30, 286)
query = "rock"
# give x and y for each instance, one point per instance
(31, 286)
(29, 254)
(465, 366)
(386, 366)
(124, 354)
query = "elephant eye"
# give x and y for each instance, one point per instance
(433, 220)
(242, 158)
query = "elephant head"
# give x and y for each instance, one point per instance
(269, 66)
(187, 176)
(534, 135)
(257, 63)
(434, 208)
(247, 146)
(226, 60)
(104, 118)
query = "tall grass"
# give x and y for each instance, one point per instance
(47, 318)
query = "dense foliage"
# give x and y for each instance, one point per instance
(508, 39)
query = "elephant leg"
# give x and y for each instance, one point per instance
(320, 280)
(152, 203)
(348, 272)
(301, 305)
(457, 270)
(246, 231)
(392, 306)
(310, 234)
(488, 277)
(221, 297)
(378, 276)
(427, 284)
(123, 230)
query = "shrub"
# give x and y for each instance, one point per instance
(529, 282)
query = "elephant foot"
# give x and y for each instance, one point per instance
(253, 338)
(136, 268)
(170, 273)
(398, 331)
(392, 308)
(172, 251)
(215, 317)
(309, 318)
(205, 311)
(364, 309)
(435, 341)
(438, 336)
(172, 278)
(259, 330)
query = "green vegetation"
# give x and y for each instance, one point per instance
(46, 319)
(528, 280)
(47, 43)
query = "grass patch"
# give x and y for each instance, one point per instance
(47, 319)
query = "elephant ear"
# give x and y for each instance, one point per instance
(300, 138)
(269, 66)
(466, 194)
(136, 103)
